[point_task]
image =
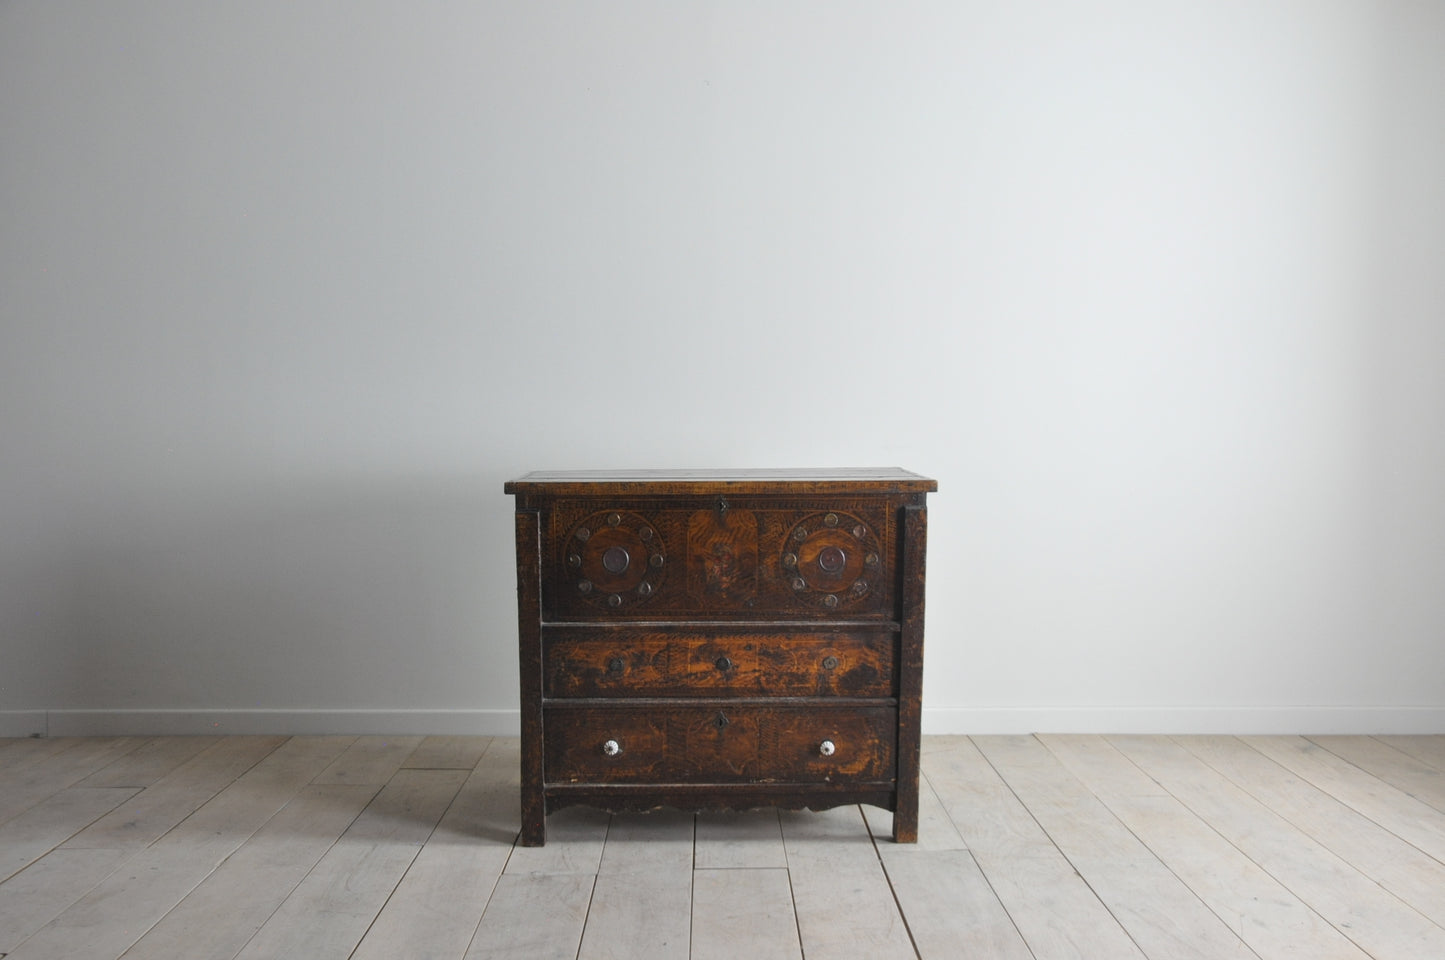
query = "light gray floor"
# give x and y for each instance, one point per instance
(1030, 847)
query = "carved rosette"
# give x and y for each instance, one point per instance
(615, 559)
(831, 560)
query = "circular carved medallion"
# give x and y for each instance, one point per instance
(831, 559)
(614, 559)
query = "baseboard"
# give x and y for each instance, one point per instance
(936, 720)
(1184, 720)
(154, 723)
(22, 723)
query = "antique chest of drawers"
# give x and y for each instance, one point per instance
(720, 640)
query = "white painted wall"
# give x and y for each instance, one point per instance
(1156, 290)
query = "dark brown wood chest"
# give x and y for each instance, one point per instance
(720, 640)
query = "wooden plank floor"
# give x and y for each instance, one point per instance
(1030, 848)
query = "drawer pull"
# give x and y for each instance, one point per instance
(616, 665)
(723, 664)
(826, 748)
(830, 663)
(612, 748)
(616, 560)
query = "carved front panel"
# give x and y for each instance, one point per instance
(719, 560)
(722, 558)
(743, 743)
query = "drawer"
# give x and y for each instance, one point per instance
(579, 663)
(712, 743)
(716, 559)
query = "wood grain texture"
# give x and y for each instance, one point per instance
(534, 915)
(37, 774)
(1055, 910)
(42, 891)
(911, 566)
(1414, 877)
(1371, 917)
(529, 658)
(1160, 914)
(149, 762)
(351, 883)
(718, 635)
(434, 911)
(1409, 818)
(42, 828)
(772, 568)
(704, 482)
(370, 760)
(744, 913)
(146, 817)
(219, 917)
(844, 905)
(715, 743)
(1265, 914)
(732, 840)
(1428, 749)
(448, 753)
(949, 906)
(642, 903)
(935, 830)
(146, 885)
(1177, 848)
(720, 664)
(1418, 778)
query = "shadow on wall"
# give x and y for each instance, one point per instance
(345, 595)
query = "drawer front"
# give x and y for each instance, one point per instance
(582, 664)
(719, 744)
(716, 559)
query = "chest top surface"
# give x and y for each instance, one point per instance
(762, 482)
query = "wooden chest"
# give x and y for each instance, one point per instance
(720, 640)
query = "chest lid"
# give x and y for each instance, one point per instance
(777, 481)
